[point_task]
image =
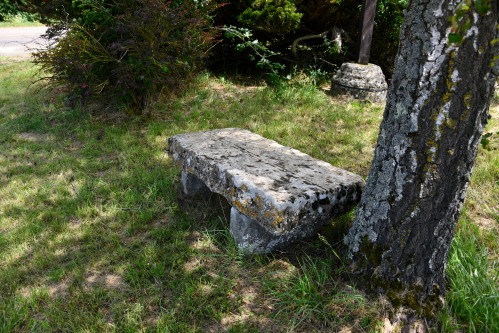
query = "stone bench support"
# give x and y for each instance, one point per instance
(278, 194)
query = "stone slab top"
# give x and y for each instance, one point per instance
(275, 185)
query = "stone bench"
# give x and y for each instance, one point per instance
(278, 194)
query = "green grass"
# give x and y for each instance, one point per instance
(473, 267)
(19, 21)
(474, 295)
(95, 238)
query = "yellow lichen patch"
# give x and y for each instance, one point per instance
(467, 106)
(258, 200)
(451, 123)
(267, 214)
(255, 208)
(245, 207)
(277, 218)
(431, 150)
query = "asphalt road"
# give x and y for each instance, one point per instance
(20, 41)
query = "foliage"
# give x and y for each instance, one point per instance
(21, 20)
(6, 8)
(129, 50)
(272, 16)
(319, 15)
(333, 23)
(57, 10)
(461, 20)
(258, 52)
(388, 20)
(12, 8)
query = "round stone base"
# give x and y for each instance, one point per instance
(360, 81)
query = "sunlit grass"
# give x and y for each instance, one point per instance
(19, 21)
(474, 293)
(93, 236)
(473, 267)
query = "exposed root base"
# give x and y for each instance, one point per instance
(405, 320)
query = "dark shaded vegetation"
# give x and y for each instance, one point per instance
(325, 33)
(129, 52)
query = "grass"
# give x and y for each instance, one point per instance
(473, 267)
(474, 295)
(19, 21)
(94, 236)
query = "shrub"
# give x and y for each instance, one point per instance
(129, 50)
(273, 16)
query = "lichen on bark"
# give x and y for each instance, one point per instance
(436, 109)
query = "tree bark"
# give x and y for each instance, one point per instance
(366, 31)
(436, 110)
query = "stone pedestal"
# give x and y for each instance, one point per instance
(360, 81)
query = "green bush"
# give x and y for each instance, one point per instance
(13, 8)
(273, 16)
(128, 50)
(7, 8)
(389, 18)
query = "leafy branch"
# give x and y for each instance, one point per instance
(260, 53)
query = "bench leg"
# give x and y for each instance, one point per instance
(250, 236)
(192, 185)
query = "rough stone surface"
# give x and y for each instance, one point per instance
(360, 81)
(252, 237)
(283, 194)
(192, 185)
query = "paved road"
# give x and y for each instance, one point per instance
(20, 41)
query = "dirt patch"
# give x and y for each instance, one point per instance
(230, 93)
(34, 137)
(486, 223)
(109, 281)
(59, 290)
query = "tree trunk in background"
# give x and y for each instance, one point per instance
(436, 110)
(366, 30)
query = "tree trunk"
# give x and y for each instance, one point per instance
(436, 110)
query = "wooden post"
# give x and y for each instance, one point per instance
(366, 30)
